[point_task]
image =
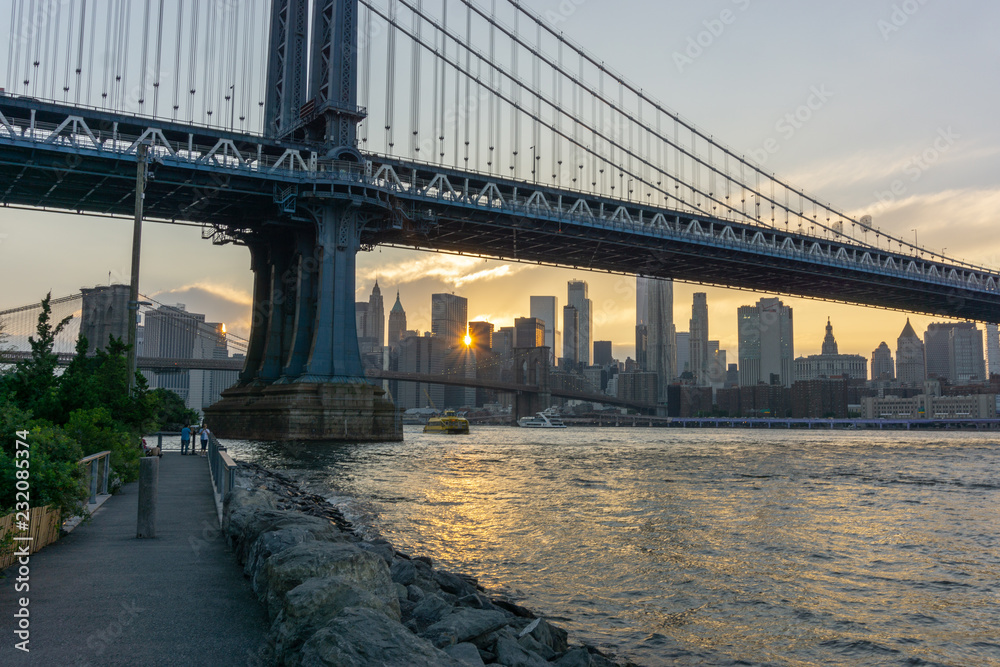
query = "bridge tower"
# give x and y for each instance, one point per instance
(303, 378)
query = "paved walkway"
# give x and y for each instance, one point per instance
(99, 596)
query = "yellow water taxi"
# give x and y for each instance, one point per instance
(449, 422)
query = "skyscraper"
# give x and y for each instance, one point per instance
(936, 349)
(397, 322)
(584, 308)
(910, 368)
(992, 350)
(656, 336)
(831, 364)
(602, 352)
(883, 368)
(449, 318)
(699, 339)
(529, 332)
(571, 336)
(545, 308)
(482, 335)
(683, 339)
(766, 347)
(954, 351)
(375, 318)
(966, 362)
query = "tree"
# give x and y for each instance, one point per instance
(171, 413)
(33, 383)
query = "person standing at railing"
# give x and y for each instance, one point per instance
(204, 439)
(185, 439)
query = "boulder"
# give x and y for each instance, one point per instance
(380, 548)
(429, 611)
(464, 624)
(512, 654)
(270, 543)
(313, 604)
(285, 570)
(361, 637)
(547, 634)
(254, 523)
(403, 571)
(465, 653)
(578, 657)
(454, 584)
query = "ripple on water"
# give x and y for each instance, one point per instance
(687, 547)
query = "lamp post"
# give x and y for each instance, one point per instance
(133, 292)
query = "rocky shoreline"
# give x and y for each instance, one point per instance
(334, 598)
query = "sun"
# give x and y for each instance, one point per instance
(468, 340)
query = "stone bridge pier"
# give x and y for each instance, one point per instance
(302, 379)
(531, 367)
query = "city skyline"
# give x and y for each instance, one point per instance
(838, 126)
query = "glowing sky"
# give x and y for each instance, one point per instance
(902, 92)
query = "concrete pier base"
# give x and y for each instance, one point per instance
(306, 411)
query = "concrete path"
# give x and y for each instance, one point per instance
(99, 596)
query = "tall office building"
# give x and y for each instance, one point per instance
(571, 336)
(954, 351)
(174, 333)
(657, 309)
(482, 335)
(992, 350)
(699, 339)
(766, 346)
(683, 339)
(546, 309)
(375, 318)
(584, 308)
(936, 349)
(397, 322)
(910, 368)
(449, 318)
(602, 352)
(966, 362)
(104, 314)
(642, 346)
(883, 369)
(420, 354)
(529, 332)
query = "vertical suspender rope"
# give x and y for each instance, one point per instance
(468, 82)
(494, 99)
(444, 81)
(159, 53)
(192, 60)
(390, 80)
(79, 53)
(145, 51)
(12, 53)
(177, 61)
(415, 86)
(69, 51)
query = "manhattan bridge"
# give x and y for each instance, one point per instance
(310, 130)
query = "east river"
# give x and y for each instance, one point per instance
(700, 547)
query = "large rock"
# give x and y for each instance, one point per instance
(403, 571)
(365, 638)
(268, 544)
(512, 654)
(246, 525)
(465, 653)
(578, 657)
(547, 634)
(316, 602)
(285, 570)
(463, 624)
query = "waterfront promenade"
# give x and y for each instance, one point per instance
(99, 596)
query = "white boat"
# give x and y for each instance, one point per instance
(545, 419)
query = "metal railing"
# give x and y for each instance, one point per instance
(95, 472)
(222, 468)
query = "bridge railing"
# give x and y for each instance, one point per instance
(221, 467)
(97, 474)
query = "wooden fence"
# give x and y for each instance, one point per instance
(43, 529)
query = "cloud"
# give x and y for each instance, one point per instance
(455, 270)
(224, 292)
